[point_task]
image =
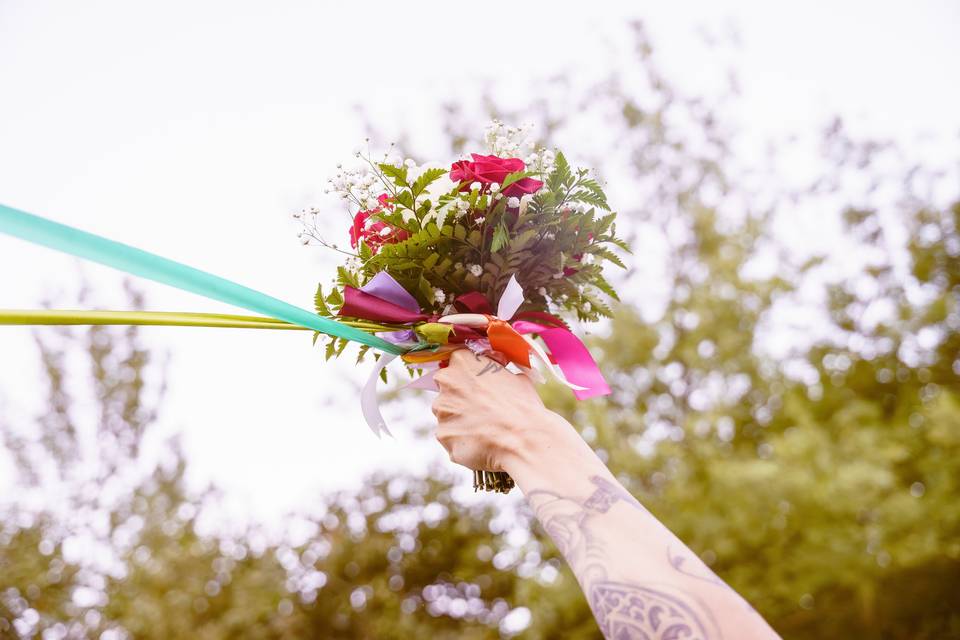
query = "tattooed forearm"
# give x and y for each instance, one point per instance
(624, 608)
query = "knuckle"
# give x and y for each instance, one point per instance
(442, 408)
(460, 360)
(445, 441)
(453, 452)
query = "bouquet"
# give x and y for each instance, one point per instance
(488, 254)
(495, 253)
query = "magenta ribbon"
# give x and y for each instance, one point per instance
(572, 356)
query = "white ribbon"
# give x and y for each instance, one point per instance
(368, 398)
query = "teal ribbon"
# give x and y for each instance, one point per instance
(141, 263)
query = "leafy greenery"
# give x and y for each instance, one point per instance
(555, 244)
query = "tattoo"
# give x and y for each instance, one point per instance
(608, 494)
(491, 367)
(705, 574)
(624, 609)
(630, 611)
(700, 571)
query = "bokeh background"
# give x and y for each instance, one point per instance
(785, 365)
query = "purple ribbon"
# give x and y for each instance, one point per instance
(381, 300)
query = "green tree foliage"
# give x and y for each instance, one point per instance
(827, 500)
(820, 481)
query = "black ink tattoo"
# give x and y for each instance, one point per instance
(631, 611)
(624, 610)
(677, 561)
(491, 367)
(608, 494)
(700, 571)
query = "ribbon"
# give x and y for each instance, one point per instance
(572, 356)
(368, 398)
(507, 333)
(152, 318)
(383, 300)
(151, 266)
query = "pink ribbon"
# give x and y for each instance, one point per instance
(572, 356)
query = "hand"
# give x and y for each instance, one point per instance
(484, 412)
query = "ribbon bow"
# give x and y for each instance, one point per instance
(506, 332)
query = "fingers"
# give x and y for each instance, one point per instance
(452, 377)
(461, 356)
(446, 436)
(442, 409)
(465, 361)
(442, 379)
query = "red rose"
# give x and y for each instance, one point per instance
(376, 233)
(489, 169)
(357, 229)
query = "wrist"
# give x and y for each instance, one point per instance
(548, 452)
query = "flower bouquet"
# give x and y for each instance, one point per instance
(489, 254)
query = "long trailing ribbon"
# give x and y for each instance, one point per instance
(157, 319)
(135, 261)
(151, 318)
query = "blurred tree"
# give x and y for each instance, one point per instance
(115, 548)
(822, 484)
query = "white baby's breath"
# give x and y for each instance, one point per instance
(509, 142)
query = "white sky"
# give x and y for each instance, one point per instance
(194, 129)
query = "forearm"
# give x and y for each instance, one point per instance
(640, 580)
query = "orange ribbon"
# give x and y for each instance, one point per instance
(503, 338)
(506, 340)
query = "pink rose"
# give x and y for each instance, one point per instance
(492, 169)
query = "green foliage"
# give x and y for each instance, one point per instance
(427, 178)
(397, 174)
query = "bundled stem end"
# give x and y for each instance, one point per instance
(498, 481)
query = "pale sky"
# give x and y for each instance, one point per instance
(194, 130)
